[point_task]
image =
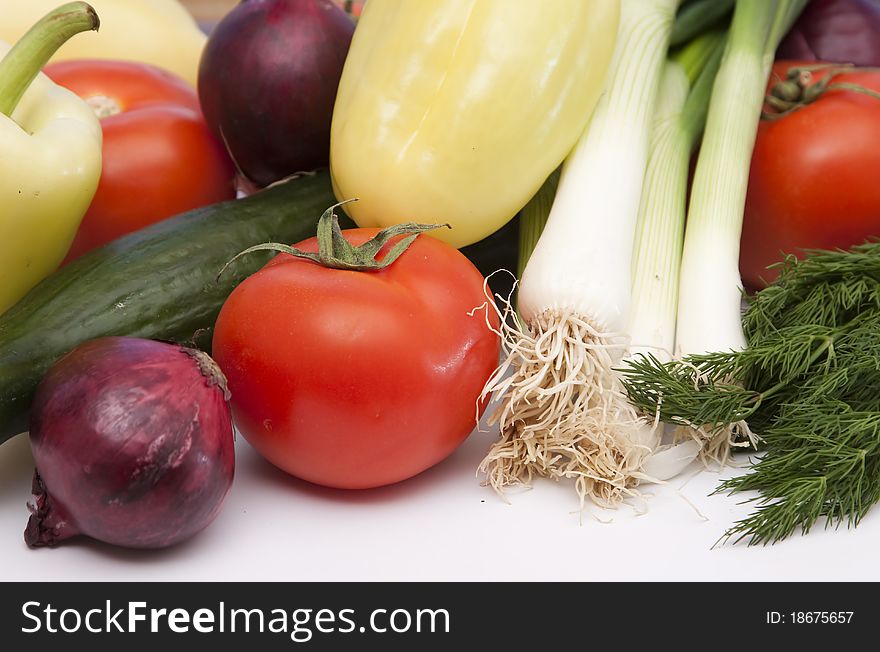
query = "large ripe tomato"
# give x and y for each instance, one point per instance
(356, 379)
(813, 181)
(159, 158)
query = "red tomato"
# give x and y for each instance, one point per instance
(358, 379)
(813, 181)
(159, 158)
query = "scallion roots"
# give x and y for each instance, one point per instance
(718, 444)
(563, 412)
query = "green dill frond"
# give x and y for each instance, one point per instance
(695, 392)
(808, 384)
(773, 520)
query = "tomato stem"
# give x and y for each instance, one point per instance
(798, 89)
(103, 106)
(335, 252)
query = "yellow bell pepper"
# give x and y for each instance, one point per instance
(161, 32)
(50, 155)
(456, 111)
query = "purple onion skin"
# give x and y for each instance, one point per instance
(835, 31)
(133, 444)
(267, 84)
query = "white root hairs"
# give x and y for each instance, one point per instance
(564, 413)
(716, 444)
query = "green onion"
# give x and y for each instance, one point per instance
(532, 219)
(710, 288)
(697, 17)
(678, 122)
(563, 412)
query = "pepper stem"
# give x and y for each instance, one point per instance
(27, 57)
(336, 252)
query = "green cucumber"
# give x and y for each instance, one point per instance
(159, 283)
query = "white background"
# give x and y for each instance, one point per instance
(441, 525)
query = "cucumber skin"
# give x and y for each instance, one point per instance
(158, 283)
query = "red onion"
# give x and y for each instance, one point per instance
(267, 83)
(133, 444)
(838, 31)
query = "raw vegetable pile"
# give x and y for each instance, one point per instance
(289, 227)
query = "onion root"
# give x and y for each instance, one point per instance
(563, 412)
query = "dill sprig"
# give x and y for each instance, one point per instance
(808, 384)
